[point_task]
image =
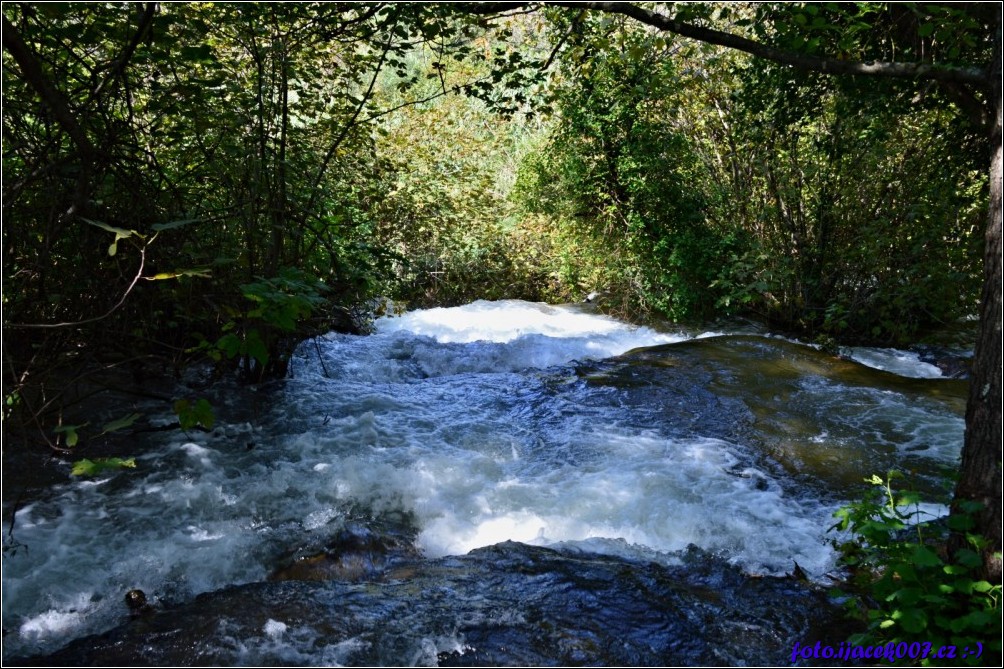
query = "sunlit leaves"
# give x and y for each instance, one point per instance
(902, 584)
(618, 170)
(793, 159)
(99, 466)
(119, 233)
(198, 273)
(944, 33)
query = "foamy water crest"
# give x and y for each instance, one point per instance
(904, 363)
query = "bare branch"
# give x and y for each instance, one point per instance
(919, 71)
(35, 77)
(122, 61)
(135, 280)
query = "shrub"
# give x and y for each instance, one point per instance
(905, 587)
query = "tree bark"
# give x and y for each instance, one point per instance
(980, 474)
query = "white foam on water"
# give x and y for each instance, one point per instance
(285, 645)
(538, 335)
(56, 623)
(274, 628)
(501, 322)
(652, 493)
(885, 419)
(904, 363)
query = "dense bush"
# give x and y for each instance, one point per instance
(621, 180)
(180, 175)
(830, 247)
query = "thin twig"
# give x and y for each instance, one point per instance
(135, 280)
(321, 358)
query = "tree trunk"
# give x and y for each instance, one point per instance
(980, 476)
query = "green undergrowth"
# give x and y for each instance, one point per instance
(903, 584)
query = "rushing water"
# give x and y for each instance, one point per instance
(451, 430)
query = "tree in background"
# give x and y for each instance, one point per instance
(209, 129)
(191, 179)
(447, 214)
(827, 247)
(620, 175)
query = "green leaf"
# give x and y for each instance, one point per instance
(907, 596)
(175, 224)
(182, 409)
(970, 506)
(229, 344)
(911, 620)
(120, 233)
(125, 421)
(975, 620)
(256, 348)
(904, 571)
(94, 467)
(983, 586)
(71, 433)
(200, 273)
(204, 414)
(960, 523)
(968, 558)
(191, 415)
(964, 586)
(924, 557)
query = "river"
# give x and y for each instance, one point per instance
(500, 483)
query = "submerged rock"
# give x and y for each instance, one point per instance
(952, 363)
(355, 553)
(507, 604)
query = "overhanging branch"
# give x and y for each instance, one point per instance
(33, 74)
(833, 66)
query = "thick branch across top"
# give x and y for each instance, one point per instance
(962, 75)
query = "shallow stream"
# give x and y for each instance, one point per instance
(499, 483)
